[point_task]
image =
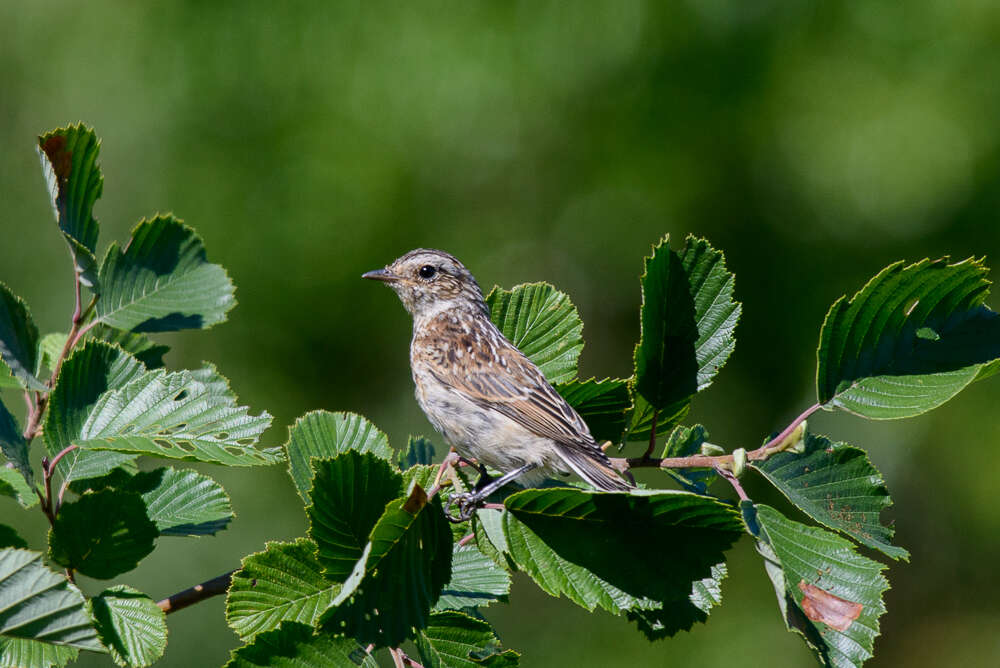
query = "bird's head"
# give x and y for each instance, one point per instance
(431, 281)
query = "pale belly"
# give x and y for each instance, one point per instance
(487, 436)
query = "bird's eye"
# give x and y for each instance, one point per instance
(427, 271)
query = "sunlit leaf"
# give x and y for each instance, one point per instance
(456, 640)
(162, 281)
(285, 582)
(908, 341)
(12, 484)
(543, 323)
(182, 503)
(323, 434)
(131, 626)
(476, 581)
(296, 645)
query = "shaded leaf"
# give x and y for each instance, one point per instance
(419, 452)
(836, 485)
(640, 419)
(139, 346)
(182, 503)
(131, 626)
(41, 606)
(544, 325)
(73, 178)
(162, 281)
(602, 404)
(295, 645)
(10, 538)
(323, 434)
(189, 415)
(18, 341)
(49, 348)
(683, 442)
(665, 622)
(908, 341)
(456, 640)
(91, 371)
(679, 535)
(399, 576)
(285, 582)
(810, 567)
(348, 495)
(476, 581)
(102, 534)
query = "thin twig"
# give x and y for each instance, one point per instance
(466, 538)
(196, 594)
(734, 481)
(709, 461)
(652, 436)
(397, 657)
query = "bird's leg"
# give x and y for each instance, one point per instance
(484, 478)
(470, 501)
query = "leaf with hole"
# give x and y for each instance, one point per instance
(283, 583)
(544, 325)
(189, 415)
(162, 281)
(131, 626)
(102, 534)
(908, 341)
(322, 434)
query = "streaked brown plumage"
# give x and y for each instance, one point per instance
(486, 398)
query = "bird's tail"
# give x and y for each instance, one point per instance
(594, 467)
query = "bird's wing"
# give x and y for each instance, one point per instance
(514, 386)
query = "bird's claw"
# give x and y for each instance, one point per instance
(468, 503)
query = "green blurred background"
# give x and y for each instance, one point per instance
(309, 142)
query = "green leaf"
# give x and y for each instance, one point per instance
(13, 446)
(348, 495)
(139, 346)
(399, 576)
(102, 534)
(544, 325)
(182, 503)
(687, 318)
(476, 581)
(322, 434)
(49, 348)
(12, 484)
(908, 341)
(18, 341)
(640, 421)
(10, 538)
(74, 180)
(162, 281)
(601, 403)
(297, 646)
(678, 535)
(24, 653)
(130, 625)
(188, 415)
(285, 582)
(456, 640)
(40, 606)
(826, 591)
(7, 380)
(664, 622)
(836, 485)
(683, 442)
(86, 375)
(419, 452)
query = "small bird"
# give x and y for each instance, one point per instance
(488, 400)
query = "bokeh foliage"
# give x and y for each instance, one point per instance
(308, 142)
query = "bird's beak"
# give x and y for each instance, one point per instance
(383, 275)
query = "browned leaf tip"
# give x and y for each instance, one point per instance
(416, 501)
(62, 160)
(822, 606)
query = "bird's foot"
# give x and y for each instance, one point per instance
(467, 503)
